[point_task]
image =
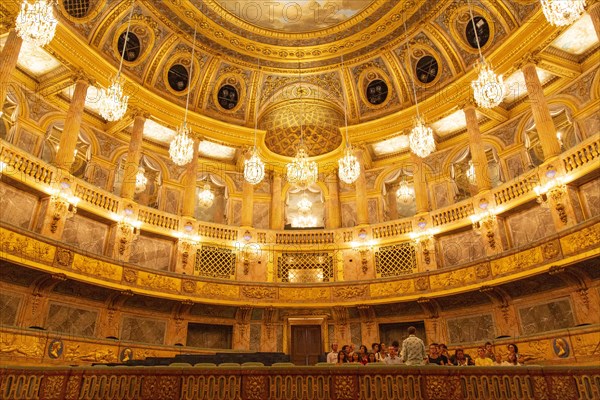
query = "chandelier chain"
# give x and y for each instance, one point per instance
(412, 78)
(126, 39)
(187, 100)
(475, 30)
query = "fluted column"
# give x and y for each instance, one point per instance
(334, 218)
(420, 184)
(8, 62)
(362, 208)
(134, 153)
(189, 195)
(247, 204)
(65, 155)
(482, 179)
(594, 11)
(541, 114)
(392, 202)
(276, 203)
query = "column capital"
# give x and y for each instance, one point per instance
(527, 59)
(80, 76)
(467, 103)
(136, 112)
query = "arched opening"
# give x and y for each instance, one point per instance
(305, 209)
(217, 210)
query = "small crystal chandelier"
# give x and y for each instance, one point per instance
(302, 172)
(471, 173)
(562, 12)
(349, 167)
(35, 23)
(254, 168)
(140, 180)
(112, 103)
(488, 89)
(304, 205)
(181, 148)
(421, 139)
(405, 194)
(206, 197)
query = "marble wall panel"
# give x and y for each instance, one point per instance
(514, 166)
(546, 317)
(9, 307)
(83, 290)
(280, 338)
(260, 215)
(348, 211)
(98, 176)
(151, 253)
(399, 331)
(331, 335)
(87, 234)
(171, 201)
(40, 216)
(371, 178)
(210, 336)
(356, 334)
(27, 141)
(441, 195)
(71, 320)
(530, 225)
(235, 218)
(373, 213)
(592, 125)
(143, 330)
(576, 203)
(255, 333)
(208, 310)
(590, 193)
(460, 248)
(476, 328)
(17, 207)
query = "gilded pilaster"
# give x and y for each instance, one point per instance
(594, 11)
(132, 162)
(420, 184)
(247, 204)
(334, 218)
(482, 179)
(276, 202)
(392, 203)
(8, 62)
(189, 195)
(362, 208)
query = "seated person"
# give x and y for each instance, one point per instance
(489, 351)
(498, 359)
(461, 359)
(371, 358)
(342, 358)
(512, 360)
(393, 357)
(482, 360)
(435, 357)
(355, 358)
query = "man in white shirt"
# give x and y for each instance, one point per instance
(392, 357)
(413, 349)
(332, 357)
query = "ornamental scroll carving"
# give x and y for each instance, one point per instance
(129, 275)
(578, 241)
(158, 282)
(91, 266)
(259, 292)
(350, 292)
(63, 258)
(13, 243)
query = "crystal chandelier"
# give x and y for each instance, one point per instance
(405, 194)
(112, 103)
(35, 23)
(349, 167)
(562, 12)
(304, 221)
(254, 168)
(206, 197)
(302, 172)
(304, 205)
(181, 148)
(421, 139)
(488, 89)
(140, 180)
(471, 173)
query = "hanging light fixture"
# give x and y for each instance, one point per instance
(562, 12)
(488, 89)
(420, 138)
(206, 197)
(140, 180)
(254, 168)
(301, 172)
(181, 148)
(304, 205)
(112, 103)
(349, 167)
(405, 194)
(35, 23)
(471, 173)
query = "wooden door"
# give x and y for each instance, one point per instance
(306, 344)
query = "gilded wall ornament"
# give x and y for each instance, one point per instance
(422, 283)
(63, 257)
(188, 286)
(55, 348)
(259, 292)
(350, 292)
(129, 275)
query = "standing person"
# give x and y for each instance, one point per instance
(413, 349)
(435, 357)
(332, 356)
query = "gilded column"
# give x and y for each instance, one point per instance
(541, 114)
(276, 202)
(133, 157)
(65, 156)
(247, 204)
(362, 208)
(482, 179)
(392, 202)
(594, 11)
(334, 218)
(189, 195)
(420, 184)
(8, 62)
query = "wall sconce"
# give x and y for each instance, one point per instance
(555, 189)
(250, 253)
(485, 221)
(423, 239)
(128, 228)
(187, 242)
(364, 247)
(63, 203)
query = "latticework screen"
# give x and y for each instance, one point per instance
(215, 262)
(395, 260)
(305, 267)
(77, 8)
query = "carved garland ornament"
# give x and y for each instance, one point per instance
(259, 292)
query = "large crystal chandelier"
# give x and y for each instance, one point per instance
(488, 89)
(35, 23)
(206, 197)
(254, 168)
(421, 140)
(302, 172)
(181, 148)
(140, 180)
(304, 205)
(405, 194)
(349, 167)
(562, 12)
(112, 103)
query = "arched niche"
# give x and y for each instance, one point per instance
(399, 206)
(217, 212)
(83, 149)
(462, 171)
(295, 218)
(149, 193)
